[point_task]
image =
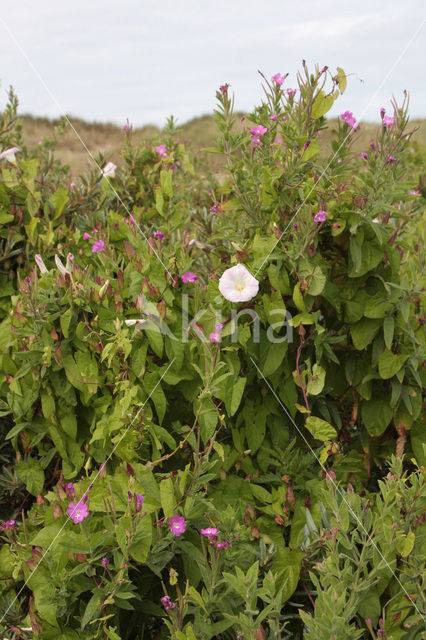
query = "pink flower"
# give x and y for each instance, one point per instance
(363, 155)
(414, 192)
(177, 525)
(161, 150)
(167, 603)
(109, 170)
(223, 545)
(78, 512)
(278, 140)
(160, 235)
(291, 92)
(8, 525)
(140, 499)
(256, 142)
(189, 276)
(219, 326)
(348, 117)
(259, 130)
(86, 236)
(105, 562)
(214, 337)
(97, 246)
(210, 532)
(273, 117)
(70, 489)
(321, 216)
(237, 284)
(391, 159)
(388, 121)
(382, 112)
(9, 154)
(278, 79)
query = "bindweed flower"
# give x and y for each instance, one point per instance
(237, 284)
(177, 525)
(363, 155)
(388, 121)
(167, 603)
(105, 562)
(223, 545)
(86, 236)
(78, 512)
(348, 117)
(109, 170)
(210, 532)
(139, 499)
(9, 154)
(160, 235)
(161, 150)
(278, 79)
(189, 276)
(40, 263)
(63, 270)
(321, 216)
(97, 246)
(259, 130)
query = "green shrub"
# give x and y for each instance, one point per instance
(118, 373)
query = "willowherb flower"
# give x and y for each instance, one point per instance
(348, 117)
(7, 525)
(214, 336)
(388, 121)
(259, 130)
(223, 545)
(414, 192)
(391, 159)
(78, 511)
(363, 155)
(167, 603)
(70, 489)
(236, 284)
(97, 246)
(109, 170)
(9, 154)
(86, 236)
(40, 263)
(105, 561)
(321, 216)
(210, 532)
(161, 150)
(278, 79)
(189, 276)
(177, 525)
(160, 235)
(291, 92)
(139, 499)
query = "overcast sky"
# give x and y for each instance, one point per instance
(145, 59)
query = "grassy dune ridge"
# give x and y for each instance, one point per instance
(107, 138)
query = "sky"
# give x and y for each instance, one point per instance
(148, 59)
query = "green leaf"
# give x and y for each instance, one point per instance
(390, 364)
(316, 380)
(364, 331)
(286, 567)
(314, 149)
(405, 544)
(320, 429)
(31, 474)
(322, 103)
(92, 608)
(166, 183)
(376, 415)
(234, 393)
(388, 329)
(65, 321)
(59, 200)
(142, 540)
(341, 79)
(168, 500)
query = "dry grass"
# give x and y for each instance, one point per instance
(108, 139)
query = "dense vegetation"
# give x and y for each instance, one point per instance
(211, 392)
